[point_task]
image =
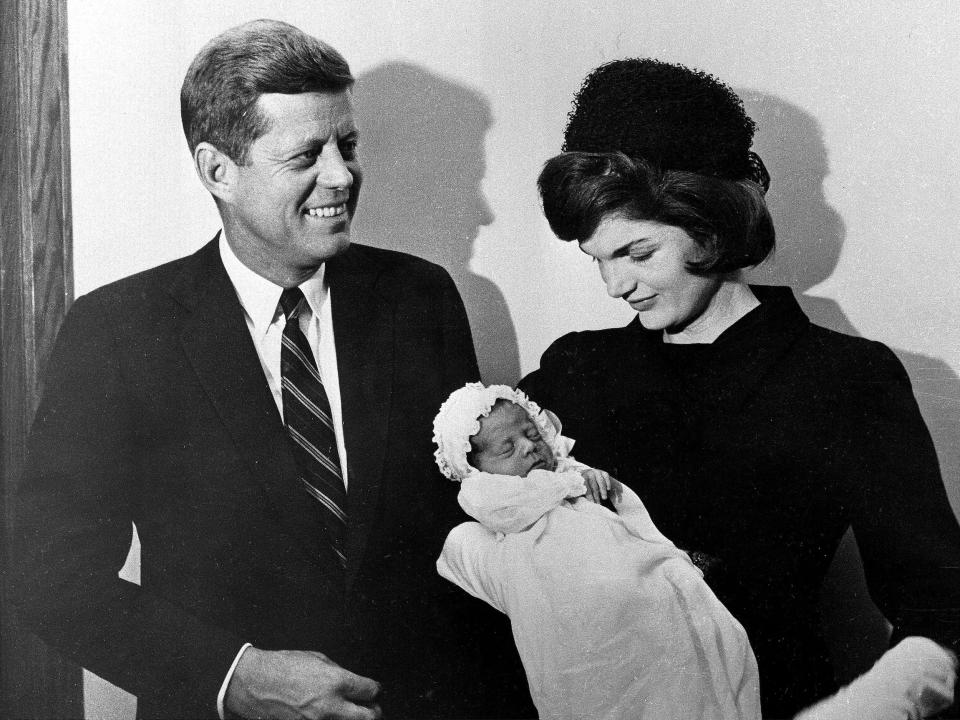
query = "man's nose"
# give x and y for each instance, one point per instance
(334, 171)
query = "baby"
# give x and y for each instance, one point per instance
(509, 443)
(611, 620)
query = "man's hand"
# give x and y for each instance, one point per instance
(600, 485)
(293, 684)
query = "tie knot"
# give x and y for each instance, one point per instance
(290, 300)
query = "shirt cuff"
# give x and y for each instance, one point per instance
(226, 681)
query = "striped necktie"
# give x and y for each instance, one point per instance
(309, 422)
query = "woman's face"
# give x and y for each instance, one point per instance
(644, 263)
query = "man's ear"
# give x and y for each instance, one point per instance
(216, 170)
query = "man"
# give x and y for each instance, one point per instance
(261, 412)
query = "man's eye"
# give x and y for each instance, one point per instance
(309, 155)
(348, 149)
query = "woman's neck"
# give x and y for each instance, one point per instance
(732, 301)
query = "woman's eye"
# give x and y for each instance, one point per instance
(641, 257)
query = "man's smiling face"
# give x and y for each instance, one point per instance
(292, 203)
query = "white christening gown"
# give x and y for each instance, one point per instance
(611, 620)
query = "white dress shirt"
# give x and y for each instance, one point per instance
(260, 299)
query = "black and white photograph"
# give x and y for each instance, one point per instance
(475, 359)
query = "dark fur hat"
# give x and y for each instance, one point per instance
(672, 117)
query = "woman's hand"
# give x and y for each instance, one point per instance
(600, 485)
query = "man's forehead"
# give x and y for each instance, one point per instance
(309, 110)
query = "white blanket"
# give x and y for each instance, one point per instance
(611, 620)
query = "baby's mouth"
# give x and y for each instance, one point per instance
(542, 464)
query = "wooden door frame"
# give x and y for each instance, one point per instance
(36, 288)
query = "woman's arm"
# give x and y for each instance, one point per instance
(907, 533)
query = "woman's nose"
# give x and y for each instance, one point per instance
(619, 284)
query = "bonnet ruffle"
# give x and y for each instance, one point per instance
(459, 419)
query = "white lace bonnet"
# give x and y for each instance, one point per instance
(459, 420)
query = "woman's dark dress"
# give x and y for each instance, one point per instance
(760, 450)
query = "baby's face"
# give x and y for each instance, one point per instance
(509, 443)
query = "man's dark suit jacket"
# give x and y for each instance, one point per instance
(157, 413)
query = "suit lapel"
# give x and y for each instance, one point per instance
(216, 340)
(363, 326)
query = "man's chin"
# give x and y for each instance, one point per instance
(330, 245)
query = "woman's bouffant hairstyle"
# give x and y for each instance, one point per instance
(649, 140)
(218, 99)
(728, 219)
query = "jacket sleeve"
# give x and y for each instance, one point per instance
(459, 353)
(458, 367)
(74, 519)
(906, 531)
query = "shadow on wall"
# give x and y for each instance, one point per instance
(422, 148)
(810, 235)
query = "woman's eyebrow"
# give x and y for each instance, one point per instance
(628, 247)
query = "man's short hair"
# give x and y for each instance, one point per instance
(218, 99)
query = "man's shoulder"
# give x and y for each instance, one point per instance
(148, 283)
(392, 274)
(392, 262)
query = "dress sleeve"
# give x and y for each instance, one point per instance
(546, 384)
(906, 531)
(466, 562)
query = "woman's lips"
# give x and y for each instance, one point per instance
(643, 303)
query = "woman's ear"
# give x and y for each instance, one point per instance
(216, 170)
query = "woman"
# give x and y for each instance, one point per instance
(754, 438)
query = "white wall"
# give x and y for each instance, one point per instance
(461, 102)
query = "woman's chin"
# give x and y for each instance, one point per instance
(653, 322)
